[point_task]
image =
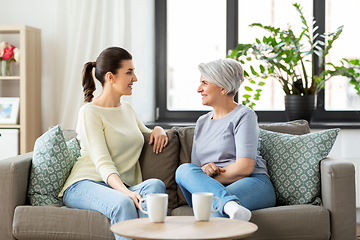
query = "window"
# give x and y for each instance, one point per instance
(277, 13)
(339, 93)
(189, 32)
(194, 34)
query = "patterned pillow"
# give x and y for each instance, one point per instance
(293, 164)
(74, 148)
(51, 165)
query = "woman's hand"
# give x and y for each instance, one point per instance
(159, 138)
(212, 170)
(241, 168)
(115, 182)
(135, 197)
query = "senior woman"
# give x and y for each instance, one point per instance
(225, 158)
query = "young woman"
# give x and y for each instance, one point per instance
(225, 158)
(107, 177)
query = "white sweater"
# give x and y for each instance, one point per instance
(111, 142)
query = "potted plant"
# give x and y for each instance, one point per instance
(289, 59)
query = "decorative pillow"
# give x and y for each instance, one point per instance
(74, 148)
(186, 136)
(296, 127)
(51, 165)
(163, 165)
(293, 163)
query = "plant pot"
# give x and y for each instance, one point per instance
(300, 107)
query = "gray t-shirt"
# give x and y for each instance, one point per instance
(224, 140)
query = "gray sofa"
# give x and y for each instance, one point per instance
(335, 220)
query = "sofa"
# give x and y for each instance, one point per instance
(334, 218)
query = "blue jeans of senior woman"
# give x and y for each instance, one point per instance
(253, 192)
(115, 205)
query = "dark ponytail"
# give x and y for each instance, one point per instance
(88, 82)
(109, 60)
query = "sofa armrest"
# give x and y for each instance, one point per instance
(338, 195)
(14, 176)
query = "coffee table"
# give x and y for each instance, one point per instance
(184, 227)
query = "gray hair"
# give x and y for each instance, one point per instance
(225, 73)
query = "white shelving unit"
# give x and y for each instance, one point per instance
(26, 84)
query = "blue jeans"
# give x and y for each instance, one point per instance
(115, 205)
(253, 192)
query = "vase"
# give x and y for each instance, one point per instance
(300, 107)
(5, 68)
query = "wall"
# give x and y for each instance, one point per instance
(39, 14)
(347, 146)
(43, 14)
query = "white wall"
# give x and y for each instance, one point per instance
(39, 14)
(347, 144)
(43, 14)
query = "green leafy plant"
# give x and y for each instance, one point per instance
(284, 56)
(252, 95)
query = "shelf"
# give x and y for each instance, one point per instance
(11, 29)
(25, 83)
(10, 78)
(8, 126)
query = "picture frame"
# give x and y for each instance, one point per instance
(9, 110)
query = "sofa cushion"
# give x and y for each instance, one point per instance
(297, 127)
(291, 222)
(163, 165)
(51, 165)
(186, 136)
(52, 162)
(293, 163)
(69, 134)
(183, 210)
(55, 222)
(74, 148)
(302, 222)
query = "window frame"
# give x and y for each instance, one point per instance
(165, 117)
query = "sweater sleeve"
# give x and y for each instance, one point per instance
(91, 132)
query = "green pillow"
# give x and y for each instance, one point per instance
(74, 148)
(51, 165)
(293, 164)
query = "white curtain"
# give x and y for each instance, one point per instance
(83, 28)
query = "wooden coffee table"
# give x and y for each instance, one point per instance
(184, 227)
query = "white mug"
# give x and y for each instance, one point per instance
(157, 205)
(202, 205)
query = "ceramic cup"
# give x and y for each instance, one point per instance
(157, 205)
(202, 205)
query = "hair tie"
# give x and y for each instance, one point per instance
(93, 64)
